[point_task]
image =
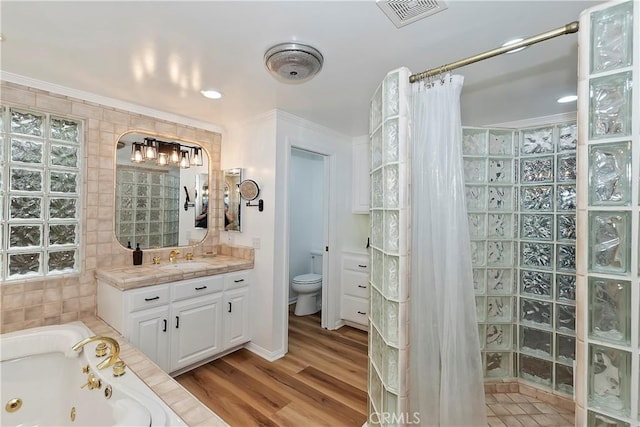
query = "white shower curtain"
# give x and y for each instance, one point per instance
(445, 370)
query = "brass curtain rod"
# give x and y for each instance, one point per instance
(572, 27)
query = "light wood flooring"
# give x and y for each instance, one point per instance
(322, 381)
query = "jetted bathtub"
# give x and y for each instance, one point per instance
(41, 381)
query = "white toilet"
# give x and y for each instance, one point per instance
(308, 287)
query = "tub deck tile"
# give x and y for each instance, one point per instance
(182, 402)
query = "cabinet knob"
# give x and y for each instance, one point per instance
(362, 286)
(363, 313)
(229, 307)
(151, 299)
(177, 322)
(362, 265)
(238, 281)
(201, 288)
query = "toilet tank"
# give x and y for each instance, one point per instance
(316, 262)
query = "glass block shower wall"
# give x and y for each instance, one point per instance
(388, 343)
(546, 256)
(40, 183)
(489, 191)
(520, 194)
(608, 349)
(148, 208)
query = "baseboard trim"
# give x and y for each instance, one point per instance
(271, 356)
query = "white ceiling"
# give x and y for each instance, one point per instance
(160, 54)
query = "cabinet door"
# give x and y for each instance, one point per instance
(149, 333)
(195, 330)
(360, 197)
(236, 321)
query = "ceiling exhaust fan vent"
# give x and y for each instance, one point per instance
(404, 12)
(293, 62)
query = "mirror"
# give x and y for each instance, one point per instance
(162, 186)
(202, 200)
(231, 179)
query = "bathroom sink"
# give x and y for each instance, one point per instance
(188, 265)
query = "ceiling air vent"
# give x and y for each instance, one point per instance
(404, 12)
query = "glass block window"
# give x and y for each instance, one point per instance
(40, 185)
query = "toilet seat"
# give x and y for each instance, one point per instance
(307, 279)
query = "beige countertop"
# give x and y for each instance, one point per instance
(138, 276)
(184, 404)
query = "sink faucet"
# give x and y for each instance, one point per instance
(173, 254)
(113, 353)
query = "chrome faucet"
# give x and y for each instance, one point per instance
(173, 254)
(113, 346)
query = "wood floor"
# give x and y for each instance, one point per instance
(322, 381)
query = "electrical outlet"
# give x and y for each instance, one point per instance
(255, 242)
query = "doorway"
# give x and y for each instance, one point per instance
(308, 232)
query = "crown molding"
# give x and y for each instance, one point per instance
(109, 102)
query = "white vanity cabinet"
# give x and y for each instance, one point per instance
(181, 324)
(355, 289)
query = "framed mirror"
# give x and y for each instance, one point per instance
(160, 189)
(231, 179)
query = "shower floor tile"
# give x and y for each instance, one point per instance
(515, 409)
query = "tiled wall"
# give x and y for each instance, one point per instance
(60, 299)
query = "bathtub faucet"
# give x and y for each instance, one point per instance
(113, 346)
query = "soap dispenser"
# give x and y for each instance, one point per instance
(137, 255)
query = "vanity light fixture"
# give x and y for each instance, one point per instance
(211, 94)
(196, 156)
(163, 159)
(514, 41)
(567, 99)
(184, 159)
(174, 155)
(136, 152)
(150, 150)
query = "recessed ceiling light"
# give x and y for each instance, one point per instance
(211, 94)
(568, 98)
(514, 41)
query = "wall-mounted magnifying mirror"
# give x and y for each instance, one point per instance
(231, 179)
(160, 186)
(249, 191)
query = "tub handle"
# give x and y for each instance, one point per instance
(151, 299)
(164, 328)
(177, 322)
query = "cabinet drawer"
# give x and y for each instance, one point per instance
(356, 263)
(236, 280)
(197, 287)
(152, 296)
(355, 283)
(355, 309)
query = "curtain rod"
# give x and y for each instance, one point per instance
(572, 27)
